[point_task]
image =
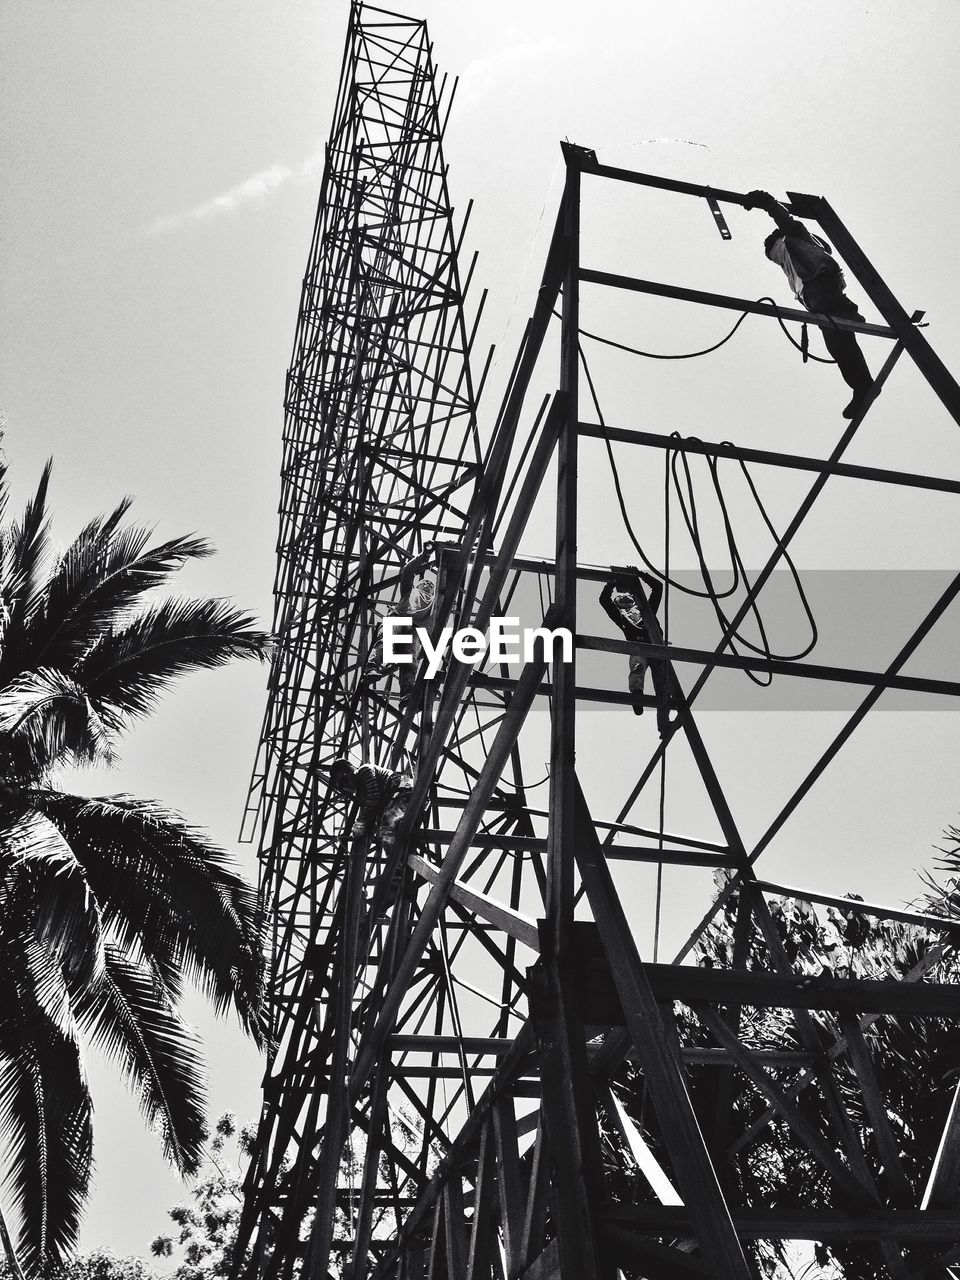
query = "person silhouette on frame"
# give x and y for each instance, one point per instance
(818, 283)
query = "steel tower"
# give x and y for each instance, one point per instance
(453, 1018)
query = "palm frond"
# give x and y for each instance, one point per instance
(132, 1018)
(43, 889)
(45, 1111)
(164, 888)
(127, 669)
(45, 716)
(96, 583)
(26, 548)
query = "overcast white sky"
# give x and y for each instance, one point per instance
(161, 168)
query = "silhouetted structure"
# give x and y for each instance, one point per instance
(441, 1101)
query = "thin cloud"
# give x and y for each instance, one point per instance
(519, 55)
(253, 190)
(479, 79)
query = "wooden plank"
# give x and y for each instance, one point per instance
(855, 905)
(688, 1152)
(569, 1116)
(535, 1213)
(762, 990)
(829, 1226)
(496, 913)
(449, 1044)
(509, 1183)
(877, 1114)
(942, 1186)
(453, 1220)
(666, 184)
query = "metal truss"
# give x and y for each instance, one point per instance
(453, 1020)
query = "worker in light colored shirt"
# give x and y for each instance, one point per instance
(418, 591)
(817, 281)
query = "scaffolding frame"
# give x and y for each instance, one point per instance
(358, 1123)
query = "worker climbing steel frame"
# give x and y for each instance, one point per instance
(402, 1135)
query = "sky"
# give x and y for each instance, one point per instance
(161, 168)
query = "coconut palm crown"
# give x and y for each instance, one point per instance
(108, 905)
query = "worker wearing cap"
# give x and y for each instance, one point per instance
(817, 281)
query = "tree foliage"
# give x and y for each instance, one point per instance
(915, 1060)
(207, 1227)
(99, 1264)
(108, 905)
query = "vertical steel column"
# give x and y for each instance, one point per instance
(569, 1112)
(563, 739)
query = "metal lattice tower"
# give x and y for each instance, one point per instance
(453, 1019)
(380, 453)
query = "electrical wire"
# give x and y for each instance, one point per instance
(655, 355)
(688, 506)
(692, 355)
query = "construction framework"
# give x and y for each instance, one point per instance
(453, 1016)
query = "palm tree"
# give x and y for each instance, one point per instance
(108, 905)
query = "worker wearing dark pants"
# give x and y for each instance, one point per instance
(621, 604)
(818, 282)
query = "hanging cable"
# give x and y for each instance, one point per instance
(654, 355)
(688, 507)
(802, 346)
(690, 591)
(693, 528)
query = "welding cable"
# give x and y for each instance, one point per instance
(625, 518)
(763, 650)
(692, 355)
(690, 515)
(691, 520)
(801, 346)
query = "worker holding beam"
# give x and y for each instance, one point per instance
(817, 281)
(620, 601)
